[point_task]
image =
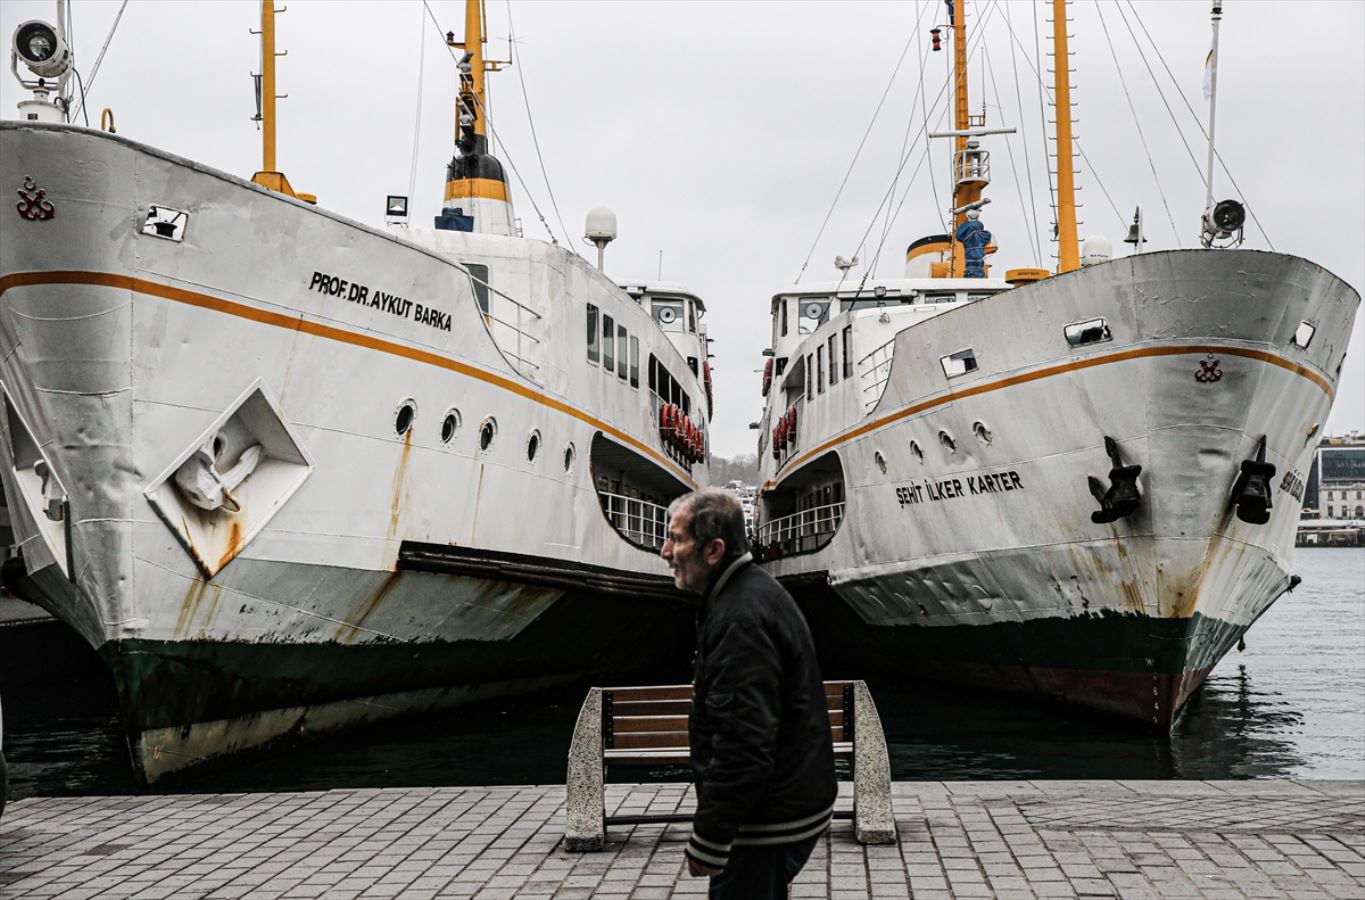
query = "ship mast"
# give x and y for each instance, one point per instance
(270, 176)
(476, 195)
(1068, 255)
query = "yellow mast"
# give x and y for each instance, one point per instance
(270, 176)
(473, 44)
(1069, 257)
(268, 86)
(968, 179)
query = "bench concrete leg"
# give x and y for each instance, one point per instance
(585, 826)
(873, 822)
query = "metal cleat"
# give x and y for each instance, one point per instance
(1122, 497)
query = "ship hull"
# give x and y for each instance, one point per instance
(967, 550)
(421, 526)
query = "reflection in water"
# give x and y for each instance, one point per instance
(1291, 705)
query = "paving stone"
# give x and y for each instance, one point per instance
(994, 839)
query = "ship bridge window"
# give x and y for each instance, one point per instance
(814, 313)
(833, 360)
(1092, 331)
(692, 364)
(959, 363)
(780, 367)
(622, 353)
(1303, 336)
(848, 351)
(938, 297)
(478, 274)
(634, 361)
(783, 304)
(691, 317)
(594, 348)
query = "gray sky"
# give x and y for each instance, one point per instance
(720, 132)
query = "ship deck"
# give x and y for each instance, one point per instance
(1267, 838)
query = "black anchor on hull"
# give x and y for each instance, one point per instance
(1251, 491)
(1122, 496)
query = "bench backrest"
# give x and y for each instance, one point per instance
(654, 720)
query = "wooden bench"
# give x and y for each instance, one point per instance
(647, 726)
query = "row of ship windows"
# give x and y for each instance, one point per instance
(618, 351)
(406, 417)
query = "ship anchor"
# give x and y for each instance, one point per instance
(1122, 496)
(1251, 491)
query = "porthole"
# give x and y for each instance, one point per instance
(917, 452)
(568, 458)
(532, 446)
(487, 431)
(880, 461)
(947, 441)
(450, 426)
(983, 434)
(407, 413)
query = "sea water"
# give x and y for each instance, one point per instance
(1291, 705)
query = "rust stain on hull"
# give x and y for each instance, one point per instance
(350, 629)
(398, 489)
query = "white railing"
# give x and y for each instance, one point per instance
(510, 330)
(874, 370)
(640, 521)
(804, 530)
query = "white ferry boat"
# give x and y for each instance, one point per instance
(1081, 484)
(288, 472)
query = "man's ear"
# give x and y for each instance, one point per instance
(715, 552)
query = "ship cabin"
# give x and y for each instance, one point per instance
(633, 490)
(832, 348)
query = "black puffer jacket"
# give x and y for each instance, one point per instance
(761, 747)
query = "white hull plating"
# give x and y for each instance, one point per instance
(967, 502)
(308, 333)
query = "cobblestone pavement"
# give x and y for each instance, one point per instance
(957, 839)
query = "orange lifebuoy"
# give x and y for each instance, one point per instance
(767, 376)
(706, 377)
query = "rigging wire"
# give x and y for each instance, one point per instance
(1042, 115)
(1014, 170)
(95, 70)
(526, 101)
(417, 114)
(488, 120)
(1181, 93)
(856, 154)
(1161, 192)
(978, 39)
(1160, 93)
(1023, 139)
(905, 138)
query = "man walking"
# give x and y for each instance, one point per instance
(762, 753)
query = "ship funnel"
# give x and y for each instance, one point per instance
(600, 230)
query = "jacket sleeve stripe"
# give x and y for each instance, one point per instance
(711, 859)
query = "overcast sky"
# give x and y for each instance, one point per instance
(720, 132)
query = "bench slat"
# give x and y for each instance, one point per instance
(651, 707)
(652, 692)
(628, 724)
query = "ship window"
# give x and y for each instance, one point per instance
(783, 305)
(691, 317)
(450, 426)
(478, 274)
(880, 461)
(568, 458)
(916, 451)
(959, 363)
(1303, 336)
(487, 431)
(848, 351)
(1092, 331)
(814, 313)
(810, 376)
(780, 367)
(833, 360)
(692, 364)
(947, 441)
(982, 432)
(608, 343)
(820, 369)
(622, 354)
(594, 349)
(402, 422)
(634, 362)
(532, 446)
(653, 374)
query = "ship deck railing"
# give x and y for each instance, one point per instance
(874, 369)
(639, 521)
(521, 341)
(806, 530)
